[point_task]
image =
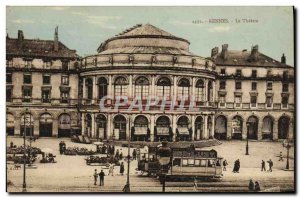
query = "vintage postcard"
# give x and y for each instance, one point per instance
(150, 99)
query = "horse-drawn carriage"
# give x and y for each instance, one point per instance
(103, 161)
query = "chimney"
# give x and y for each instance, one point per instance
(254, 53)
(283, 59)
(214, 51)
(56, 39)
(20, 38)
(224, 53)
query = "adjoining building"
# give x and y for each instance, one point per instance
(41, 87)
(227, 90)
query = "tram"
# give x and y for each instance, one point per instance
(184, 163)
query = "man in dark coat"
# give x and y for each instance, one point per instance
(61, 147)
(257, 187)
(95, 177)
(101, 176)
(251, 185)
(270, 165)
(134, 154)
(263, 165)
(122, 169)
(236, 167)
(224, 165)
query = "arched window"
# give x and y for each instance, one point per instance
(163, 121)
(142, 87)
(200, 91)
(183, 88)
(183, 121)
(121, 85)
(210, 91)
(163, 87)
(89, 89)
(102, 88)
(141, 121)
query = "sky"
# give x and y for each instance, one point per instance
(85, 28)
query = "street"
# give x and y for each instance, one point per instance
(71, 174)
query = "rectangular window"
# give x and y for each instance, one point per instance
(253, 101)
(184, 162)
(8, 94)
(222, 100)
(284, 101)
(27, 78)
(65, 80)
(238, 85)
(254, 86)
(64, 96)
(191, 162)
(28, 63)
(254, 73)
(223, 71)
(183, 92)
(203, 163)
(238, 101)
(46, 79)
(27, 94)
(8, 78)
(47, 64)
(142, 91)
(269, 101)
(120, 90)
(46, 95)
(285, 87)
(269, 85)
(65, 65)
(238, 72)
(222, 84)
(163, 91)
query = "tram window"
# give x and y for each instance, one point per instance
(176, 162)
(191, 162)
(184, 162)
(197, 162)
(218, 163)
(211, 163)
(203, 163)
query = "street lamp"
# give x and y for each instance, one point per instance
(127, 186)
(287, 145)
(247, 144)
(164, 154)
(24, 145)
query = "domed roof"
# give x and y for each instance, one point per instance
(145, 39)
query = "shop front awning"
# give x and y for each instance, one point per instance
(140, 130)
(163, 131)
(183, 131)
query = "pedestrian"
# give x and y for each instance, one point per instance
(108, 149)
(134, 154)
(121, 156)
(113, 150)
(117, 154)
(270, 165)
(237, 166)
(257, 187)
(61, 147)
(101, 176)
(11, 144)
(251, 185)
(122, 169)
(263, 165)
(280, 156)
(224, 165)
(95, 177)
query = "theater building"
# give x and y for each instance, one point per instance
(41, 87)
(141, 61)
(50, 91)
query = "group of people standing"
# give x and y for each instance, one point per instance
(263, 165)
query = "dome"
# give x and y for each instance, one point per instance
(146, 39)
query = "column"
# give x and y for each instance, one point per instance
(93, 134)
(82, 123)
(229, 130)
(275, 130)
(206, 135)
(128, 128)
(17, 125)
(174, 127)
(244, 132)
(174, 88)
(153, 86)
(152, 123)
(291, 130)
(83, 91)
(259, 129)
(130, 94)
(95, 90)
(109, 126)
(55, 128)
(213, 126)
(214, 89)
(193, 127)
(205, 91)
(36, 127)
